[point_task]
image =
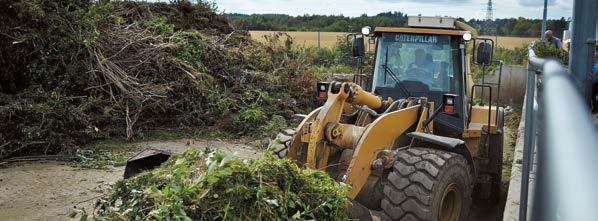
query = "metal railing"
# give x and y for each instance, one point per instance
(566, 185)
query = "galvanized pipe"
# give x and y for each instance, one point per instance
(542, 36)
(567, 170)
(583, 45)
(528, 139)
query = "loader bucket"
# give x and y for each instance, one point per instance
(146, 159)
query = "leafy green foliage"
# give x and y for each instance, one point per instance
(78, 71)
(515, 56)
(512, 121)
(159, 25)
(217, 186)
(99, 159)
(39, 44)
(545, 50)
(33, 117)
(336, 59)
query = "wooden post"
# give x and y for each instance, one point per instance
(318, 40)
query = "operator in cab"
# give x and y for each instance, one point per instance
(422, 65)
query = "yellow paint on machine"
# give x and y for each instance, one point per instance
(296, 141)
(380, 135)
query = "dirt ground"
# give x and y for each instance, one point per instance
(49, 190)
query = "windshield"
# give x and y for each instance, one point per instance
(415, 64)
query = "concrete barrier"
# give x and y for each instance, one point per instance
(512, 85)
(511, 211)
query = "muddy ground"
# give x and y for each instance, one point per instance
(48, 190)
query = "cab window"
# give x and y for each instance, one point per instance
(416, 64)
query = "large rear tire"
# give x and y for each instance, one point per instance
(496, 158)
(428, 184)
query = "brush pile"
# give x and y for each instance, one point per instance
(545, 50)
(76, 71)
(216, 186)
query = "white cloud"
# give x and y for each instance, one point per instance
(536, 2)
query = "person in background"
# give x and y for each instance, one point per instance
(551, 40)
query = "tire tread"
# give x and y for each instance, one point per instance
(408, 195)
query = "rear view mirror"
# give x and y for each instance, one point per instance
(482, 51)
(358, 46)
(484, 55)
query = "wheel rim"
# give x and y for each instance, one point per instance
(450, 206)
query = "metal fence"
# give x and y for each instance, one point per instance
(566, 185)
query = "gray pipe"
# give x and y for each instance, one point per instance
(583, 46)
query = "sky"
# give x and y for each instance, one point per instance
(456, 8)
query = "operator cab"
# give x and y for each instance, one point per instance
(423, 61)
(416, 65)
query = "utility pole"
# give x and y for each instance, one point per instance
(490, 26)
(544, 21)
(489, 11)
(318, 40)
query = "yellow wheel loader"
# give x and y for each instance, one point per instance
(407, 138)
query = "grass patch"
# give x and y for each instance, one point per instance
(99, 159)
(104, 154)
(512, 129)
(115, 152)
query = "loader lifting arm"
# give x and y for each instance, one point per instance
(379, 136)
(322, 130)
(326, 122)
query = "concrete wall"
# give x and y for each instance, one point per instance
(512, 88)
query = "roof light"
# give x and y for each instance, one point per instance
(366, 30)
(467, 36)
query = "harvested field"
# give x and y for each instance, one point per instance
(512, 42)
(310, 39)
(328, 39)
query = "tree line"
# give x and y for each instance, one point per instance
(519, 27)
(325, 23)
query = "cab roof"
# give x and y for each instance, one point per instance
(434, 31)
